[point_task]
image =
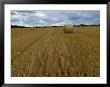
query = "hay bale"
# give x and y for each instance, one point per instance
(68, 28)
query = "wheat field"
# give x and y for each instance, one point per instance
(49, 52)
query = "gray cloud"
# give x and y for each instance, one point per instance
(54, 17)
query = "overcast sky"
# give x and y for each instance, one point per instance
(54, 17)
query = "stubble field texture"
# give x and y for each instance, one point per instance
(49, 52)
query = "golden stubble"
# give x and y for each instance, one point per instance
(49, 52)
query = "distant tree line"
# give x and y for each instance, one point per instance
(84, 25)
(81, 25)
(17, 26)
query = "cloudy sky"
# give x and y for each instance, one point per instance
(54, 17)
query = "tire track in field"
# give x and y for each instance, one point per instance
(17, 60)
(49, 60)
(54, 61)
(28, 46)
(64, 56)
(36, 68)
(56, 64)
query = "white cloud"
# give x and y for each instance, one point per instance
(39, 14)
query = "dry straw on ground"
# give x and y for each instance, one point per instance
(50, 52)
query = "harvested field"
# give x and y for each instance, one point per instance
(50, 52)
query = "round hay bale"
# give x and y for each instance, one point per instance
(68, 28)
